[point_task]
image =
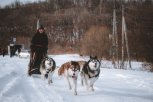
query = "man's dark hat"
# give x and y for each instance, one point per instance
(41, 27)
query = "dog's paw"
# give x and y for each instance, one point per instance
(92, 89)
(82, 83)
(59, 77)
(75, 93)
(43, 78)
(70, 87)
(50, 81)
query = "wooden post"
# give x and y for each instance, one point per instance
(122, 62)
(124, 39)
(115, 41)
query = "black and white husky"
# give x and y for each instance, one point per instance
(47, 68)
(90, 72)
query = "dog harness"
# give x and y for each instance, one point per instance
(93, 72)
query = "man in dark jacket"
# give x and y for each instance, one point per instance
(39, 47)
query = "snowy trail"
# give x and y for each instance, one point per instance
(18, 87)
(113, 85)
(50, 94)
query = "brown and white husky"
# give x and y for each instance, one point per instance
(70, 70)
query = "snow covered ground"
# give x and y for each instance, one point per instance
(113, 85)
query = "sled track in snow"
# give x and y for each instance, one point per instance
(8, 86)
(5, 79)
(9, 80)
(45, 91)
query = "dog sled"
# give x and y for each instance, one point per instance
(35, 61)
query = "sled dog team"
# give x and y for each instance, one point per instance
(89, 72)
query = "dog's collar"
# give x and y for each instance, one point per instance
(94, 75)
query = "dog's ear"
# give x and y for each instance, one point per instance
(95, 57)
(90, 57)
(68, 65)
(43, 63)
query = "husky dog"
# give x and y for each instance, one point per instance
(47, 68)
(90, 72)
(70, 70)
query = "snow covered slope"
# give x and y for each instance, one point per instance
(113, 85)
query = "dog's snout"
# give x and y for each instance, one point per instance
(46, 75)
